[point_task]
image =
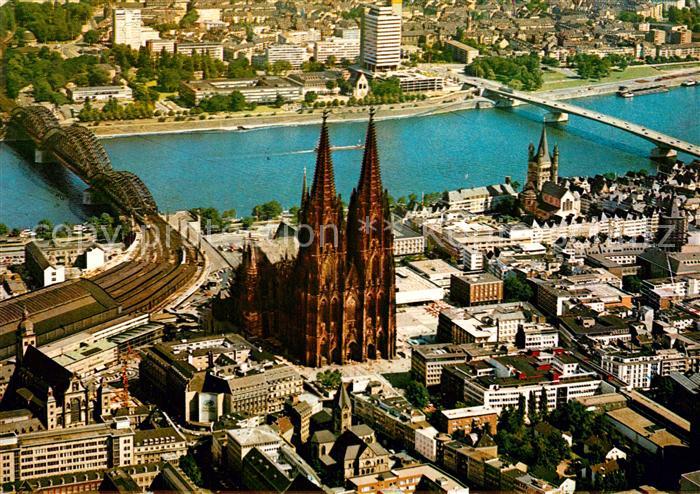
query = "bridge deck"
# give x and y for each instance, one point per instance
(659, 139)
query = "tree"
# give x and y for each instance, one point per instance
(97, 76)
(240, 68)
(267, 211)
(632, 284)
(532, 408)
(417, 394)
(565, 269)
(516, 290)
(189, 466)
(247, 222)
(520, 339)
(91, 37)
(169, 79)
(279, 101)
(3, 229)
(189, 19)
(237, 101)
(520, 410)
(544, 403)
(310, 97)
(330, 379)
(44, 229)
(280, 67)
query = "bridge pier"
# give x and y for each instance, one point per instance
(661, 153)
(91, 197)
(42, 156)
(554, 117)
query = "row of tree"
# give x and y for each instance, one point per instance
(112, 110)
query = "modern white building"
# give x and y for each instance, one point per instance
(515, 376)
(425, 442)
(638, 370)
(381, 39)
(339, 48)
(294, 54)
(128, 28)
(100, 93)
(473, 259)
(213, 50)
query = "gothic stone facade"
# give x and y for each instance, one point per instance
(334, 301)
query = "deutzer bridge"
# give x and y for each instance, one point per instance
(666, 146)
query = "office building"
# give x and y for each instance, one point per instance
(427, 361)
(100, 93)
(57, 452)
(503, 380)
(264, 90)
(381, 39)
(128, 28)
(407, 241)
(638, 370)
(476, 289)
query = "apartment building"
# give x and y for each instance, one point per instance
(478, 199)
(128, 28)
(468, 418)
(391, 416)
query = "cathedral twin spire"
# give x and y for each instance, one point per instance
(323, 192)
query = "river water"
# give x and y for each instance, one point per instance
(421, 154)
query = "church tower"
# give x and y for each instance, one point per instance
(370, 312)
(539, 166)
(554, 174)
(342, 410)
(320, 265)
(25, 337)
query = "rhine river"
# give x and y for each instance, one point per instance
(419, 154)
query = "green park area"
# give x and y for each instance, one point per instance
(554, 79)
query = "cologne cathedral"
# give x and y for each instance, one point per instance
(331, 297)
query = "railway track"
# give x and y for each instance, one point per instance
(147, 282)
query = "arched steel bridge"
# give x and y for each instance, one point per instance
(76, 148)
(164, 267)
